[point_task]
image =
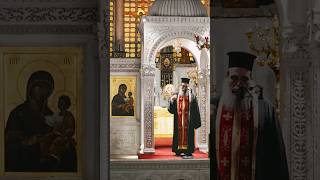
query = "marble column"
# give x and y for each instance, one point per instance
(314, 37)
(119, 28)
(296, 102)
(147, 109)
(103, 40)
(204, 106)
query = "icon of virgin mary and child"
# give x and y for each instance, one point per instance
(36, 139)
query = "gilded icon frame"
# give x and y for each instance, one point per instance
(130, 82)
(65, 65)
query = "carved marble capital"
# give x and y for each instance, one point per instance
(124, 65)
(148, 70)
(296, 44)
(314, 26)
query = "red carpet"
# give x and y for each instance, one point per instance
(166, 153)
(163, 142)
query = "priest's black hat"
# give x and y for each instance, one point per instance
(241, 59)
(185, 80)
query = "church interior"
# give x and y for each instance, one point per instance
(88, 52)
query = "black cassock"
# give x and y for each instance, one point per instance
(194, 123)
(271, 161)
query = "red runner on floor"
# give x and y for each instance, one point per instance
(163, 141)
(166, 153)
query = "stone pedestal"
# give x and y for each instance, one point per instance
(124, 137)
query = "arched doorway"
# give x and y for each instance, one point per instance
(172, 63)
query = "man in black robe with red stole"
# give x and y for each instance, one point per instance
(245, 140)
(185, 108)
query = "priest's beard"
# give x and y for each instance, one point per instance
(239, 100)
(182, 93)
(228, 99)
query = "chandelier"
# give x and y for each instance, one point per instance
(202, 42)
(177, 44)
(265, 43)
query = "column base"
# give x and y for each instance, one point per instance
(203, 148)
(149, 151)
(141, 149)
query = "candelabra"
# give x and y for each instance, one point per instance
(193, 75)
(177, 44)
(264, 42)
(202, 43)
(168, 91)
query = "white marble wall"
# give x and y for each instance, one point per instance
(124, 137)
(125, 131)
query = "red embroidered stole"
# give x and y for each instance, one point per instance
(246, 142)
(236, 166)
(225, 142)
(183, 120)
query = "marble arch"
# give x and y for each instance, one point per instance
(157, 32)
(188, 44)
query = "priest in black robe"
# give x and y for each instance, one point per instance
(245, 140)
(185, 108)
